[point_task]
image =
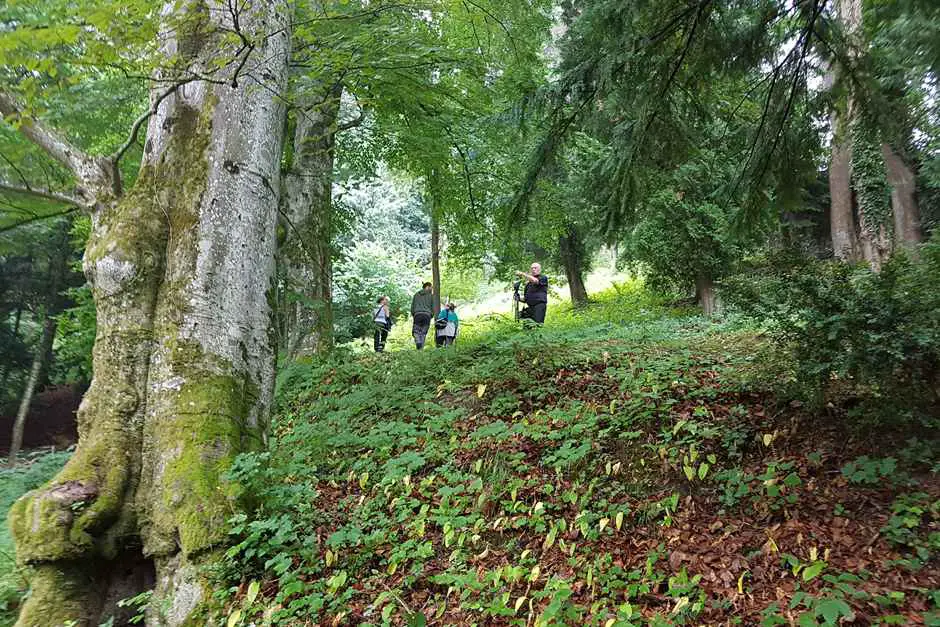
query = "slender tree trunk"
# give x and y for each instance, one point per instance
(58, 267)
(572, 258)
(39, 359)
(705, 294)
(435, 259)
(308, 205)
(903, 197)
(180, 269)
(4, 367)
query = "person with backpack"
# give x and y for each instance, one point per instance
(422, 310)
(382, 318)
(535, 295)
(447, 325)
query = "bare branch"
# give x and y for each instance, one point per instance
(37, 192)
(135, 129)
(359, 119)
(95, 174)
(37, 218)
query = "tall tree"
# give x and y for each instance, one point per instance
(50, 307)
(180, 266)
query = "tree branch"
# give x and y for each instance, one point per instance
(135, 129)
(37, 218)
(95, 174)
(37, 192)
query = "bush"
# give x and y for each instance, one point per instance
(880, 330)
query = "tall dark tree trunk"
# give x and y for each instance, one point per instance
(903, 184)
(308, 201)
(181, 269)
(841, 214)
(39, 363)
(572, 257)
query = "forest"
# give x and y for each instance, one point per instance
(217, 219)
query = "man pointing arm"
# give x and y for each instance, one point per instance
(535, 295)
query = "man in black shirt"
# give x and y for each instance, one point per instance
(536, 293)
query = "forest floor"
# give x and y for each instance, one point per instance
(631, 463)
(628, 464)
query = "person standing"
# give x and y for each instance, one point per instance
(422, 310)
(447, 325)
(382, 317)
(535, 295)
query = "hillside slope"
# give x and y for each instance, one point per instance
(626, 465)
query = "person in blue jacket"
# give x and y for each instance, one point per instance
(447, 325)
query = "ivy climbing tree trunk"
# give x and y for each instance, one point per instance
(573, 259)
(308, 202)
(180, 268)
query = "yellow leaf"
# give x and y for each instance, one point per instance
(681, 603)
(481, 390)
(534, 574)
(538, 508)
(602, 523)
(610, 622)
(772, 544)
(392, 568)
(741, 583)
(618, 520)
(519, 603)
(768, 438)
(616, 468)
(253, 588)
(363, 480)
(813, 554)
(525, 554)
(234, 618)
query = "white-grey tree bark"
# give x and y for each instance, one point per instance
(181, 267)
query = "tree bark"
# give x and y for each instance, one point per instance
(308, 202)
(572, 258)
(180, 269)
(39, 359)
(435, 258)
(841, 216)
(57, 269)
(705, 294)
(903, 184)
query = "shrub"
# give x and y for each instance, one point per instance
(881, 330)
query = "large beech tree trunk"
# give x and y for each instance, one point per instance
(903, 197)
(435, 253)
(572, 257)
(308, 202)
(180, 269)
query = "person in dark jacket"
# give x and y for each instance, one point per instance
(422, 310)
(535, 295)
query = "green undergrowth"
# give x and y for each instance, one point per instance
(627, 464)
(34, 470)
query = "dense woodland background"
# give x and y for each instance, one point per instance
(730, 416)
